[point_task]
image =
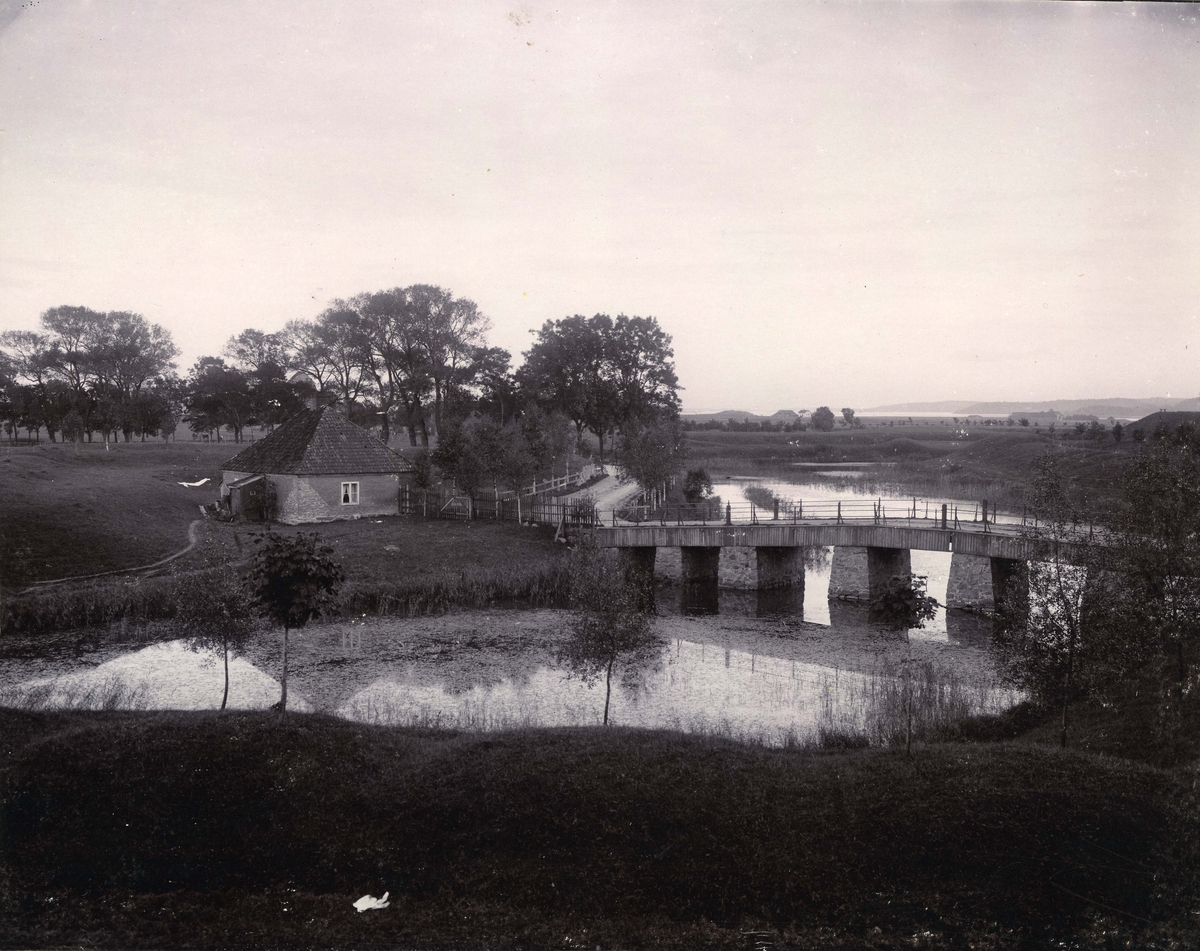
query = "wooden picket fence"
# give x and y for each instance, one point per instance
(443, 503)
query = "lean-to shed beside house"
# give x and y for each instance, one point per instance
(318, 466)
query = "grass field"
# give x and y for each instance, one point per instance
(66, 513)
(247, 830)
(71, 512)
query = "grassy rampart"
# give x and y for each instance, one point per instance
(247, 830)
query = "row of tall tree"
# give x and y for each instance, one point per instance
(416, 357)
(88, 371)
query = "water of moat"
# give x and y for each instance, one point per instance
(766, 666)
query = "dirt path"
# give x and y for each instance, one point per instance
(193, 540)
(609, 493)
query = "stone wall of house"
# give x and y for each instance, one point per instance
(302, 499)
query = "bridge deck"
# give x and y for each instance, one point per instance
(998, 541)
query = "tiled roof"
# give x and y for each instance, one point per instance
(318, 442)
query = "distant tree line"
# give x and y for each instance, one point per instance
(415, 357)
(87, 372)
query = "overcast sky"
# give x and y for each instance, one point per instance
(838, 203)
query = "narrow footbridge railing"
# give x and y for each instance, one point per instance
(580, 513)
(982, 516)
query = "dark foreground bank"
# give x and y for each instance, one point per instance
(202, 830)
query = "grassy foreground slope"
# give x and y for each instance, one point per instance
(205, 830)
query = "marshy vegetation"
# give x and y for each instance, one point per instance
(140, 601)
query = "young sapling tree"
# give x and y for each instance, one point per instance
(215, 613)
(292, 581)
(610, 628)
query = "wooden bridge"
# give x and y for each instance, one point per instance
(872, 543)
(744, 545)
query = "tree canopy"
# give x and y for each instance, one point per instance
(605, 375)
(113, 370)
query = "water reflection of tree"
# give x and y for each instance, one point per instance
(817, 558)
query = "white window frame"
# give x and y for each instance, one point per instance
(349, 491)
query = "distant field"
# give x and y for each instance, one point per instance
(65, 511)
(925, 460)
(871, 444)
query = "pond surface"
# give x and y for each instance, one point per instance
(772, 667)
(839, 486)
(768, 680)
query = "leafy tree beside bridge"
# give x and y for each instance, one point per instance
(1116, 619)
(607, 376)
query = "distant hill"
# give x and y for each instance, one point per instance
(1102, 408)
(954, 407)
(1169, 419)
(742, 416)
(739, 414)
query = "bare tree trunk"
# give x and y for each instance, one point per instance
(909, 719)
(225, 695)
(1066, 702)
(283, 678)
(1181, 671)
(607, 689)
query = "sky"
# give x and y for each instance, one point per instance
(847, 204)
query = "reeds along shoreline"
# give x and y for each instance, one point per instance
(142, 600)
(112, 694)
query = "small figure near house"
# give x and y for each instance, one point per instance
(317, 466)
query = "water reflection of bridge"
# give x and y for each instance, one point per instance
(986, 557)
(786, 605)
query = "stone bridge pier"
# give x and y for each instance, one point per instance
(862, 574)
(701, 566)
(779, 567)
(639, 562)
(979, 583)
(763, 568)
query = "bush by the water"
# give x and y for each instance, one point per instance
(544, 585)
(95, 604)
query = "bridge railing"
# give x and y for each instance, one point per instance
(580, 513)
(874, 511)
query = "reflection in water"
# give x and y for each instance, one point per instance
(699, 600)
(699, 688)
(780, 603)
(160, 677)
(773, 681)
